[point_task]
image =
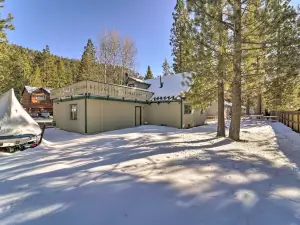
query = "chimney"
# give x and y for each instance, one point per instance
(161, 83)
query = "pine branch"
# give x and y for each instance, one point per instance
(258, 43)
(253, 74)
(226, 24)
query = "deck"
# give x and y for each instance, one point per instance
(101, 89)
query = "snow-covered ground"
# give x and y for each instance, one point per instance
(155, 175)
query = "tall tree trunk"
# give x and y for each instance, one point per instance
(221, 118)
(234, 131)
(259, 97)
(259, 108)
(248, 106)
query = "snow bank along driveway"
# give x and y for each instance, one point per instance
(155, 175)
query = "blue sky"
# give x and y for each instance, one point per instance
(66, 25)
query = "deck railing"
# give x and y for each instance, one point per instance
(101, 89)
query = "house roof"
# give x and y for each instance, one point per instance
(137, 80)
(33, 89)
(173, 87)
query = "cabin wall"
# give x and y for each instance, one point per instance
(196, 118)
(167, 114)
(62, 116)
(106, 115)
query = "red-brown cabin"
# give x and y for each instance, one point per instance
(36, 100)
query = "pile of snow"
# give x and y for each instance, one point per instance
(14, 120)
(154, 175)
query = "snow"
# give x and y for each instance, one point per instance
(14, 120)
(173, 85)
(154, 175)
(137, 80)
(227, 103)
(32, 89)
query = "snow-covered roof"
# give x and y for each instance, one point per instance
(137, 80)
(173, 86)
(32, 89)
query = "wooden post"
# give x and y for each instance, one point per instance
(292, 121)
(299, 122)
(42, 134)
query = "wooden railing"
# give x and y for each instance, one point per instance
(291, 119)
(101, 89)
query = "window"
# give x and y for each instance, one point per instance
(187, 109)
(40, 97)
(73, 112)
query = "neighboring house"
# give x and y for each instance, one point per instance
(36, 99)
(212, 111)
(93, 107)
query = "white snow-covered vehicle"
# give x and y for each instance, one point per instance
(18, 130)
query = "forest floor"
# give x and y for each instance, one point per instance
(153, 175)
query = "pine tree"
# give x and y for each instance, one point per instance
(5, 24)
(48, 69)
(62, 76)
(166, 68)
(36, 81)
(18, 67)
(149, 74)
(263, 47)
(282, 63)
(5, 69)
(54, 81)
(20, 71)
(69, 77)
(181, 38)
(87, 66)
(209, 62)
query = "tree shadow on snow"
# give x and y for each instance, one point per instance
(95, 182)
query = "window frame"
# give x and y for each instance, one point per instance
(187, 109)
(37, 96)
(75, 112)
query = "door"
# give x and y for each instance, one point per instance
(138, 115)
